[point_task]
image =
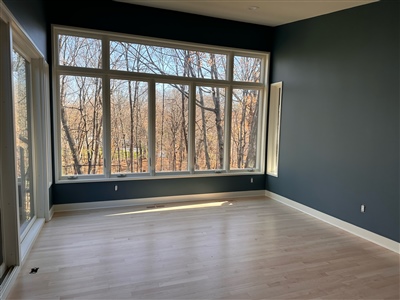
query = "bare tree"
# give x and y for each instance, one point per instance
(81, 106)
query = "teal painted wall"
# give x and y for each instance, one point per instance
(340, 116)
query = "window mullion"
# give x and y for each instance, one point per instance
(106, 109)
(192, 119)
(262, 122)
(106, 127)
(227, 137)
(152, 127)
(228, 115)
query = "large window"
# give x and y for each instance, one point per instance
(128, 106)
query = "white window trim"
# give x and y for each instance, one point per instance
(274, 128)
(106, 73)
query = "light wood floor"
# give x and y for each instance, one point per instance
(241, 249)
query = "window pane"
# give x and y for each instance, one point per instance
(79, 51)
(166, 61)
(23, 141)
(209, 128)
(82, 125)
(244, 131)
(172, 107)
(247, 69)
(129, 126)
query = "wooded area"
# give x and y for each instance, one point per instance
(82, 109)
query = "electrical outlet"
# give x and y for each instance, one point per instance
(362, 208)
(251, 179)
(116, 188)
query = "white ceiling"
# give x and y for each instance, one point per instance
(263, 12)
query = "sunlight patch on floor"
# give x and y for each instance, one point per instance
(179, 207)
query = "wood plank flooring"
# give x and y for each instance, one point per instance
(253, 248)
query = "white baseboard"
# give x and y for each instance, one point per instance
(29, 240)
(51, 213)
(155, 200)
(26, 246)
(358, 231)
(8, 282)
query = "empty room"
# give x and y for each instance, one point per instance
(199, 149)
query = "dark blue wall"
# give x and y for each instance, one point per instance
(31, 15)
(340, 115)
(102, 191)
(121, 17)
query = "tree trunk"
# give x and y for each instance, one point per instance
(136, 101)
(71, 144)
(204, 129)
(70, 141)
(131, 123)
(97, 121)
(218, 119)
(242, 132)
(251, 153)
(162, 130)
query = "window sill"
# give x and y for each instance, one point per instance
(158, 176)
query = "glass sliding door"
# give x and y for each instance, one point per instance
(25, 158)
(23, 139)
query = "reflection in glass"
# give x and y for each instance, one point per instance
(22, 123)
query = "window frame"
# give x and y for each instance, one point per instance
(106, 74)
(30, 120)
(274, 128)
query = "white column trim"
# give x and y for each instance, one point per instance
(9, 194)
